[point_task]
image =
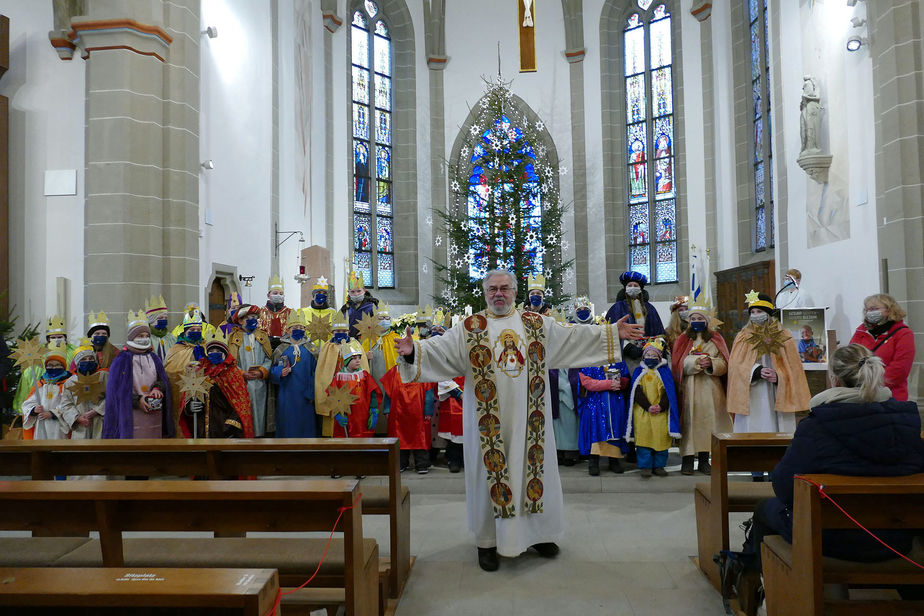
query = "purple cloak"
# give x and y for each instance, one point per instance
(118, 422)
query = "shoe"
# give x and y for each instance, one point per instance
(616, 466)
(487, 559)
(645, 473)
(547, 550)
(593, 467)
(704, 467)
(454, 467)
(423, 471)
(757, 478)
(403, 468)
(660, 472)
(568, 461)
(686, 465)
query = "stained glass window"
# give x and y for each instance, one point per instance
(760, 141)
(373, 241)
(650, 143)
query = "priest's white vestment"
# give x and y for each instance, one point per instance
(513, 490)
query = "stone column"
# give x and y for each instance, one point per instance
(435, 34)
(142, 154)
(895, 44)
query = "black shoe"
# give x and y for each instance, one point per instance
(454, 466)
(487, 559)
(757, 478)
(593, 467)
(704, 467)
(686, 465)
(660, 472)
(645, 473)
(403, 468)
(547, 550)
(423, 470)
(616, 466)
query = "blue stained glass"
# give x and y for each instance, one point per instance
(359, 20)
(361, 172)
(383, 229)
(360, 121)
(362, 263)
(381, 28)
(360, 51)
(759, 184)
(638, 224)
(639, 260)
(664, 137)
(761, 229)
(755, 51)
(383, 127)
(661, 90)
(635, 99)
(371, 8)
(633, 22)
(754, 8)
(360, 85)
(664, 177)
(635, 51)
(383, 164)
(638, 182)
(382, 55)
(666, 217)
(383, 198)
(660, 12)
(667, 262)
(660, 43)
(383, 92)
(386, 271)
(362, 232)
(636, 140)
(755, 96)
(644, 4)
(758, 141)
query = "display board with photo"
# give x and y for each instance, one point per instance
(808, 327)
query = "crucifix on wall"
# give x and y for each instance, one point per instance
(527, 35)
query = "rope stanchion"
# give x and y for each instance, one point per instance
(280, 594)
(824, 496)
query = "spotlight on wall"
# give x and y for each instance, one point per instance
(211, 31)
(855, 42)
(209, 164)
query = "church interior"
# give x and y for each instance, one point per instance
(204, 150)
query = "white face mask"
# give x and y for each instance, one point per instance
(760, 317)
(356, 297)
(140, 343)
(385, 323)
(277, 298)
(633, 291)
(874, 316)
(685, 315)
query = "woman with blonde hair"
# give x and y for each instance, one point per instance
(885, 334)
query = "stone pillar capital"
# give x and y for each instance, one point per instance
(91, 35)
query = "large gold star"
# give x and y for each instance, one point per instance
(29, 354)
(87, 388)
(319, 328)
(766, 338)
(194, 384)
(368, 328)
(751, 297)
(340, 399)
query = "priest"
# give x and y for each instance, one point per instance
(513, 491)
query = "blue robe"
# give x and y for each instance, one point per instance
(295, 416)
(667, 380)
(602, 413)
(653, 325)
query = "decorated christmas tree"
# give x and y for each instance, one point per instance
(504, 209)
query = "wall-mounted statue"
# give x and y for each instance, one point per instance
(812, 159)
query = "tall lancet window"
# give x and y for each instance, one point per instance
(373, 239)
(652, 196)
(763, 155)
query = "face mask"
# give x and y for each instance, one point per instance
(140, 343)
(277, 299)
(760, 317)
(160, 324)
(685, 315)
(99, 341)
(58, 340)
(52, 374)
(423, 332)
(340, 337)
(298, 334)
(216, 358)
(250, 325)
(357, 298)
(583, 314)
(194, 336)
(633, 291)
(652, 362)
(698, 326)
(385, 323)
(874, 316)
(320, 299)
(535, 300)
(86, 367)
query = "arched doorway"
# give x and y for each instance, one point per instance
(218, 301)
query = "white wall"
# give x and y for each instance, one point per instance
(47, 103)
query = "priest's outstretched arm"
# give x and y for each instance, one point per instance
(580, 346)
(435, 359)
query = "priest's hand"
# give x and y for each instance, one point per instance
(405, 346)
(629, 331)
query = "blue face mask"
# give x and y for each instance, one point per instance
(216, 358)
(320, 299)
(52, 374)
(698, 326)
(583, 314)
(160, 324)
(340, 337)
(87, 367)
(99, 341)
(652, 362)
(298, 334)
(194, 336)
(535, 300)
(250, 325)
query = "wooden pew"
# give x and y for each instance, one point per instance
(114, 507)
(794, 574)
(231, 458)
(756, 451)
(243, 592)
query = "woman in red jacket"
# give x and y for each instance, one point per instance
(885, 334)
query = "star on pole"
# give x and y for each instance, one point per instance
(87, 388)
(319, 328)
(194, 384)
(29, 354)
(340, 399)
(369, 328)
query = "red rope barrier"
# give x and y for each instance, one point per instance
(824, 496)
(280, 594)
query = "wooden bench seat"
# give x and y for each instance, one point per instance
(741, 494)
(839, 571)
(244, 592)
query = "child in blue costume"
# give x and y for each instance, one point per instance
(654, 417)
(602, 408)
(293, 371)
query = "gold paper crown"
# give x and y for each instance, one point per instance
(275, 282)
(192, 306)
(350, 349)
(55, 325)
(425, 315)
(535, 283)
(216, 336)
(97, 320)
(85, 348)
(320, 284)
(155, 304)
(383, 310)
(190, 320)
(338, 321)
(135, 319)
(296, 317)
(657, 343)
(56, 350)
(442, 317)
(356, 281)
(703, 308)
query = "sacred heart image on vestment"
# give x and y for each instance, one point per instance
(508, 350)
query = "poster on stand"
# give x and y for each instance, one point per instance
(808, 327)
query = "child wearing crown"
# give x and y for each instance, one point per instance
(293, 371)
(55, 332)
(43, 410)
(162, 340)
(275, 313)
(359, 302)
(358, 421)
(320, 305)
(408, 420)
(252, 348)
(98, 332)
(329, 363)
(653, 418)
(84, 394)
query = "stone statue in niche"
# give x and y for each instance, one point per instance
(812, 159)
(527, 13)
